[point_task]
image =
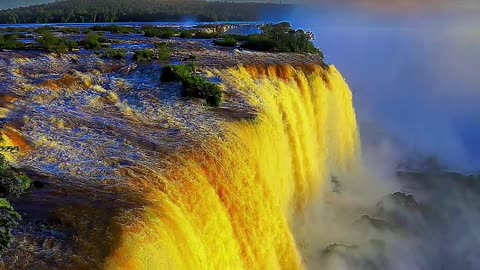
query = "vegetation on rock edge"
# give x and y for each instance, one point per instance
(193, 85)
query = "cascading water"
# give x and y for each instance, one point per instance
(230, 204)
(191, 187)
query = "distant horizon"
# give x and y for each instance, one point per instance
(9, 4)
(371, 5)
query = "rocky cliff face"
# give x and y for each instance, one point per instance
(427, 228)
(230, 29)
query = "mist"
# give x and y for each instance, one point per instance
(413, 76)
(416, 89)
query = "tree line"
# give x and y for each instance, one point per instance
(93, 11)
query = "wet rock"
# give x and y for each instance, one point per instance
(218, 29)
(366, 222)
(38, 184)
(128, 69)
(340, 249)
(402, 210)
(370, 256)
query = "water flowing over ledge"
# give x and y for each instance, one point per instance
(229, 206)
(192, 187)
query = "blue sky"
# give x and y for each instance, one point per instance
(413, 76)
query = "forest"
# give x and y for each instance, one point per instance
(92, 11)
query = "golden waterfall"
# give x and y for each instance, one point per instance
(230, 204)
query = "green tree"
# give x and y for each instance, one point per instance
(9, 219)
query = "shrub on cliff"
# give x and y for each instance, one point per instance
(176, 73)
(9, 219)
(260, 43)
(12, 183)
(193, 85)
(50, 43)
(282, 38)
(199, 87)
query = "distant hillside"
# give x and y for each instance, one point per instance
(81, 11)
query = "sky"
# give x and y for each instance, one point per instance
(5, 4)
(413, 75)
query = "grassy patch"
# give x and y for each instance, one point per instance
(69, 30)
(205, 35)
(186, 34)
(50, 43)
(144, 55)
(114, 54)
(43, 30)
(239, 38)
(10, 42)
(161, 32)
(20, 35)
(114, 29)
(193, 85)
(164, 51)
(226, 42)
(93, 41)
